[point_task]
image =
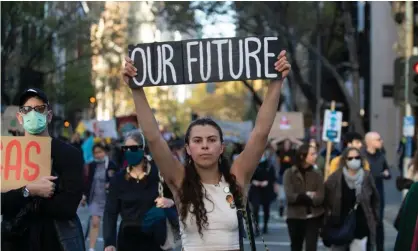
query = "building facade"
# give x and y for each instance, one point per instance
(384, 116)
(142, 26)
(36, 54)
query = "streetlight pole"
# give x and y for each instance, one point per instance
(318, 75)
(408, 52)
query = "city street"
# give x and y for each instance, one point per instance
(271, 86)
(278, 239)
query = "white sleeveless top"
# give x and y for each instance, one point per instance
(222, 231)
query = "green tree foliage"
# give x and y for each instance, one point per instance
(109, 40)
(77, 88)
(170, 113)
(230, 101)
(33, 35)
(297, 24)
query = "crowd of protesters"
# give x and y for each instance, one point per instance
(191, 190)
(315, 201)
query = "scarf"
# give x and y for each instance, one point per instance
(354, 181)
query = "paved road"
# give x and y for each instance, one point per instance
(278, 239)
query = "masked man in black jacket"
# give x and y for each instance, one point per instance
(42, 216)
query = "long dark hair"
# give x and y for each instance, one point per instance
(191, 192)
(281, 145)
(301, 154)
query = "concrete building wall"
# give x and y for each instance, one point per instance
(384, 115)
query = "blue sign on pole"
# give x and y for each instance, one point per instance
(332, 126)
(332, 134)
(408, 132)
(408, 126)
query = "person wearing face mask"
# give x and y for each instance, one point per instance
(133, 193)
(351, 199)
(42, 216)
(98, 174)
(351, 139)
(262, 190)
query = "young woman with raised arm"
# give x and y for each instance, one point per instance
(204, 189)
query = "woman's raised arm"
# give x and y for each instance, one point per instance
(246, 163)
(171, 169)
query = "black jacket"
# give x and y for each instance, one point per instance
(264, 172)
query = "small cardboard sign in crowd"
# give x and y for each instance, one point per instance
(24, 160)
(204, 60)
(288, 124)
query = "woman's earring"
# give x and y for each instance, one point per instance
(220, 161)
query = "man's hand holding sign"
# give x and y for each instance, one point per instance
(26, 162)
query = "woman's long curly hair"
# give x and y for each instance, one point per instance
(192, 191)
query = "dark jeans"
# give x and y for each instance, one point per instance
(266, 211)
(133, 239)
(304, 230)
(380, 233)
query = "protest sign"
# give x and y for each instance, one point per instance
(11, 111)
(9, 121)
(238, 132)
(24, 160)
(287, 124)
(103, 128)
(126, 124)
(204, 60)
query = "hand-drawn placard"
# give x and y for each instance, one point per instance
(9, 121)
(204, 60)
(24, 160)
(287, 124)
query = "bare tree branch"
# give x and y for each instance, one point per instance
(255, 95)
(331, 36)
(354, 107)
(352, 49)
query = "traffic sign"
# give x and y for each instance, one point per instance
(408, 126)
(332, 126)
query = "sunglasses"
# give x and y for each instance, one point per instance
(132, 148)
(27, 109)
(351, 158)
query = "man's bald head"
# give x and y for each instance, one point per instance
(373, 140)
(371, 136)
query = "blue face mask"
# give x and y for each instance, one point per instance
(134, 158)
(263, 158)
(34, 122)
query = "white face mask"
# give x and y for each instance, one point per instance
(354, 164)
